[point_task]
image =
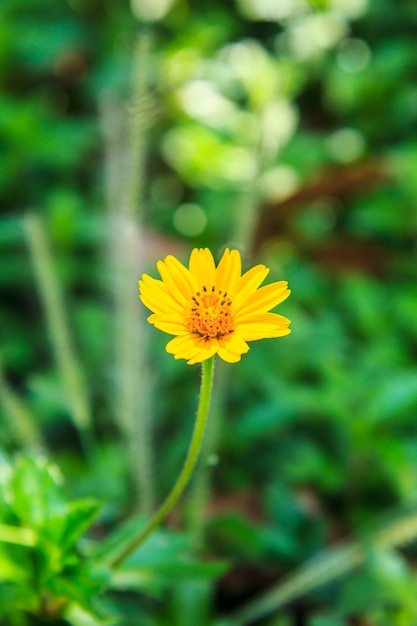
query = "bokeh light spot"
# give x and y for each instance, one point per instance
(190, 220)
(353, 55)
(278, 183)
(345, 145)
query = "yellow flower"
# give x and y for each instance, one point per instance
(213, 310)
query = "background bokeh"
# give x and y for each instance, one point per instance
(283, 128)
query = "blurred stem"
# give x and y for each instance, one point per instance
(133, 394)
(56, 319)
(247, 218)
(24, 424)
(141, 118)
(187, 469)
(330, 565)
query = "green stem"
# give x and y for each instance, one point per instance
(59, 329)
(187, 469)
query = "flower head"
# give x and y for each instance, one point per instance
(213, 310)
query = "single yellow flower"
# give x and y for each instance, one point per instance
(213, 310)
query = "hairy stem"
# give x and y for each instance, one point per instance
(58, 326)
(187, 469)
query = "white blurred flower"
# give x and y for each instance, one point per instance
(150, 10)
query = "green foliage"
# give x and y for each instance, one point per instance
(281, 128)
(42, 569)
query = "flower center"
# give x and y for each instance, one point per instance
(210, 313)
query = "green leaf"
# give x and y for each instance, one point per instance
(19, 536)
(190, 603)
(242, 537)
(36, 492)
(163, 558)
(112, 545)
(78, 616)
(157, 576)
(397, 397)
(80, 583)
(319, 4)
(327, 620)
(68, 529)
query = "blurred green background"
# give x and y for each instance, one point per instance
(283, 128)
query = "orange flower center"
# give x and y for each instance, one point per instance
(210, 313)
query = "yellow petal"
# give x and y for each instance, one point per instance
(231, 348)
(253, 332)
(155, 295)
(248, 283)
(264, 318)
(202, 267)
(168, 306)
(228, 271)
(174, 282)
(264, 299)
(207, 349)
(168, 324)
(147, 284)
(184, 347)
(227, 356)
(183, 277)
(192, 347)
